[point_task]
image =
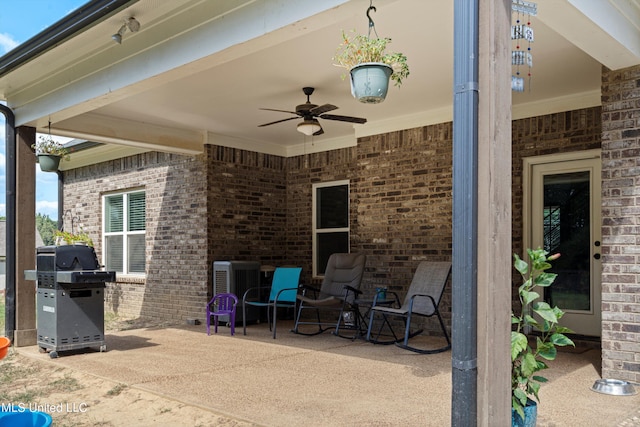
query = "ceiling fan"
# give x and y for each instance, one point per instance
(309, 112)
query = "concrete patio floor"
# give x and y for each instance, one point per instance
(323, 380)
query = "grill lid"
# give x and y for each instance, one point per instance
(68, 257)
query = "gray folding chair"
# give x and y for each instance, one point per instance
(422, 299)
(336, 296)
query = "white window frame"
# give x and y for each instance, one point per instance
(314, 217)
(124, 233)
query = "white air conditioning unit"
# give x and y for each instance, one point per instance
(236, 277)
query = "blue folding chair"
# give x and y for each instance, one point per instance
(284, 288)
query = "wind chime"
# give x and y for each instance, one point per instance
(522, 37)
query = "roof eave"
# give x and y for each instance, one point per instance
(74, 23)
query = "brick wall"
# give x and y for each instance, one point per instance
(302, 173)
(247, 215)
(176, 230)
(236, 204)
(620, 219)
(400, 204)
(401, 184)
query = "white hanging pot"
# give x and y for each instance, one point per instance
(370, 82)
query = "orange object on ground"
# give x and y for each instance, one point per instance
(4, 346)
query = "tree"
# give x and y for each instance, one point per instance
(46, 227)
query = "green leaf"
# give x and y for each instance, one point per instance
(531, 321)
(541, 264)
(548, 352)
(539, 379)
(533, 389)
(529, 364)
(525, 286)
(520, 265)
(561, 340)
(520, 396)
(545, 311)
(559, 313)
(529, 296)
(546, 326)
(519, 343)
(545, 279)
(517, 405)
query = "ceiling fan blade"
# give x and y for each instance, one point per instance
(278, 121)
(320, 132)
(343, 118)
(281, 111)
(316, 111)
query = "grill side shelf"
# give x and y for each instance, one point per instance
(85, 276)
(30, 275)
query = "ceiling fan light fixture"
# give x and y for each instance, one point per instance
(309, 127)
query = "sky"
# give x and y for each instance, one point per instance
(19, 21)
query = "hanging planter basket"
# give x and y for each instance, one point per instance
(370, 82)
(49, 162)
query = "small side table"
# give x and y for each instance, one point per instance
(363, 322)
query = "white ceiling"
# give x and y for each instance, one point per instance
(198, 71)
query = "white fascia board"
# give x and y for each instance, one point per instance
(152, 58)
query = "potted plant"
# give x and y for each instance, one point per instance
(49, 153)
(67, 238)
(370, 67)
(539, 317)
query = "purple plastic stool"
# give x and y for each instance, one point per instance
(222, 305)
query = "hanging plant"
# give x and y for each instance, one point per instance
(47, 145)
(370, 66)
(357, 49)
(49, 153)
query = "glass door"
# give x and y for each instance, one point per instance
(565, 219)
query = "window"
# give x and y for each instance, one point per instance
(330, 222)
(124, 232)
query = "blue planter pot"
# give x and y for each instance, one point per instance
(370, 82)
(530, 416)
(16, 416)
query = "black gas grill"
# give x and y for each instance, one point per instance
(70, 298)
